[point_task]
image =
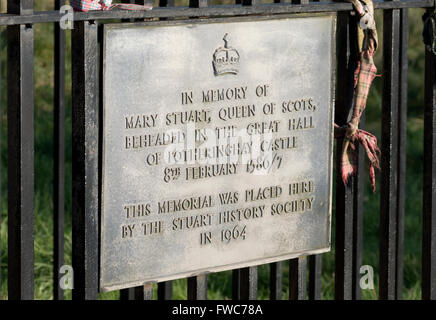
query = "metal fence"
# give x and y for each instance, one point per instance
(20, 18)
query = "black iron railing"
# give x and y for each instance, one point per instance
(85, 81)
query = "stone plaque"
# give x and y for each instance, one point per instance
(217, 145)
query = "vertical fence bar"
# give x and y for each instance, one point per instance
(59, 155)
(402, 133)
(148, 291)
(315, 275)
(166, 3)
(127, 294)
(198, 3)
(144, 292)
(248, 283)
(389, 155)
(142, 2)
(244, 284)
(165, 289)
(197, 287)
(299, 1)
(1, 211)
(297, 278)
(359, 190)
(139, 292)
(250, 2)
(348, 213)
(236, 273)
(275, 281)
(20, 155)
(236, 284)
(85, 62)
(244, 280)
(344, 195)
(276, 269)
(429, 185)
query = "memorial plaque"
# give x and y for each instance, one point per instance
(217, 145)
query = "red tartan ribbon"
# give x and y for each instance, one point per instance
(364, 75)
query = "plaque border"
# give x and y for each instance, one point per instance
(250, 263)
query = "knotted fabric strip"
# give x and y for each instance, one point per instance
(364, 75)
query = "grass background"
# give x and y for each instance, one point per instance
(219, 284)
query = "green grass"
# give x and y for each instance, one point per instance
(219, 284)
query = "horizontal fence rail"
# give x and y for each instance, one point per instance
(305, 273)
(211, 11)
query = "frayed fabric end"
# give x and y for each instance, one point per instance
(349, 156)
(347, 171)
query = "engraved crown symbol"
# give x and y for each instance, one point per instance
(225, 59)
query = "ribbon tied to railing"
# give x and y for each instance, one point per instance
(364, 75)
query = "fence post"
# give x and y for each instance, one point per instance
(402, 151)
(85, 64)
(197, 287)
(248, 283)
(297, 278)
(244, 281)
(315, 276)
(275, 280)
(236, 284)
(1, 282)
(299, 1)
(349, 199)
(20, 154)
(276, 268)
(165, 289)
(58, 155)
(429, 186)
(392, 154)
